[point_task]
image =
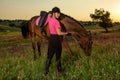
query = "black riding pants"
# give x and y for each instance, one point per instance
(54, 47)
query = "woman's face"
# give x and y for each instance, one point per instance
(57, 15)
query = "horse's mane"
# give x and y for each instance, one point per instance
(64, 15)
(82, 31)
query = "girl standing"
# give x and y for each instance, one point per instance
(55, 46)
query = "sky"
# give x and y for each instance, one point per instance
(78, 9)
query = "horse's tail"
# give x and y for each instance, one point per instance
(25, 30)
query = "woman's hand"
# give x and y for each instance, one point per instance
(69, 34)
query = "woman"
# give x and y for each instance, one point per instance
(55, 46)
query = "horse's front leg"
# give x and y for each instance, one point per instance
(66, 45)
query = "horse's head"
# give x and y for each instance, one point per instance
(80, 35)
(85, 41)
(86, 44)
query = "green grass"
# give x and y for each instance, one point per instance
(103, 65)
(17, 63)
(8, 29)
(93, 27)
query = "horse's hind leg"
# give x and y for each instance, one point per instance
(38, 33)
(39, 46)
(34, 46)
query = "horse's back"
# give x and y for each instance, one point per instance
(34, 18)
(31, 24)
(32, 21)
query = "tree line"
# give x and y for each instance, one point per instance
(12, 23)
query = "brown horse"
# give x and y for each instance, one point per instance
(79, 33)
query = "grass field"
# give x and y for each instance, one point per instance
(16, 59)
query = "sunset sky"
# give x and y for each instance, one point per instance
(78, 9)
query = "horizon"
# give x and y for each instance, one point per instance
(79, 10)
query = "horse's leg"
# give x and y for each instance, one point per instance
(66, 45)
(39, 46)
(47, 32)
(33, 45)
(38, 33)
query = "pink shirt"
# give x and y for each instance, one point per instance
(53, 24)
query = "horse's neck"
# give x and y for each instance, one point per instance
(74, 26)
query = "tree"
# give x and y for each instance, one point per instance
(103, 18)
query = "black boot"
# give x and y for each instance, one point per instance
(47, 66)
(59, 67)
